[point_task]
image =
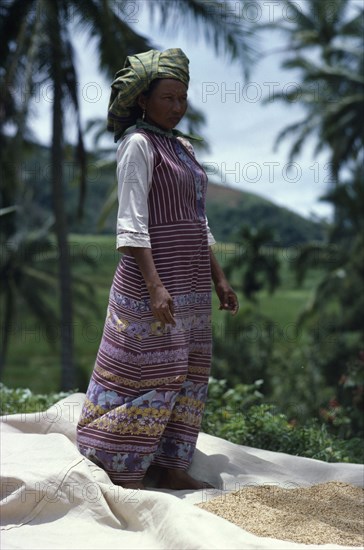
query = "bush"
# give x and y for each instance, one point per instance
(239, 415)
(22, 400)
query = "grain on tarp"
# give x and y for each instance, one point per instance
(327, 513)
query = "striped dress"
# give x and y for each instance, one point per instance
(146, 396)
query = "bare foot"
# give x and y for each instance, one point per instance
(153, 475)
(133, 485)
(179, 479)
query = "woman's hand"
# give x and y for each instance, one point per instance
(228, 298)
(161, 304)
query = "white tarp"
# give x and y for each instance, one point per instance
(53, 497)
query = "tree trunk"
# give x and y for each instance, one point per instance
(61, 229)
(7, 318)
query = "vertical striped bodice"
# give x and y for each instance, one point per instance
(179, 183)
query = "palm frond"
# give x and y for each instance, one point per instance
(226, 33)
(303, 128)
(106, 23)
(355, 26)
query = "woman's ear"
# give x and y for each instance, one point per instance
(142, 101)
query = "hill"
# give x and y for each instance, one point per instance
(229, 208)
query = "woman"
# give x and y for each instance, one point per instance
(146, 396)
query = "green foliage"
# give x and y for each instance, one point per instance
(243, 346)
(238, 414)
(257, 269)
(337, 309)
(22, 400)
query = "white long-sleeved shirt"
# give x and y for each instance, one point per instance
(135, 163)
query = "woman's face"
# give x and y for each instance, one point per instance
(166, 105)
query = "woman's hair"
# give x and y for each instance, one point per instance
(152, 86)
(137, 110)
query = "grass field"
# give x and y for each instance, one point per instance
(33, 359)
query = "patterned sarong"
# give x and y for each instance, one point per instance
(146, 396)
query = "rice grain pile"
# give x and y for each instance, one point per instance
(327, 513)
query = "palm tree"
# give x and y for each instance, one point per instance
(27, 271)
(42, 29)
(258, 268)
(46, 30)
(332, 87)
(319, 24)
(326, 47)
(28, 274)
(335, 111)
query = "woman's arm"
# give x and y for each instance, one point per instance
(161, 302)
(227, 297)
(134, 173)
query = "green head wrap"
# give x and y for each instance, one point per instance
(138, 72)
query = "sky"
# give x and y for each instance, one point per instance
(240, 129)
